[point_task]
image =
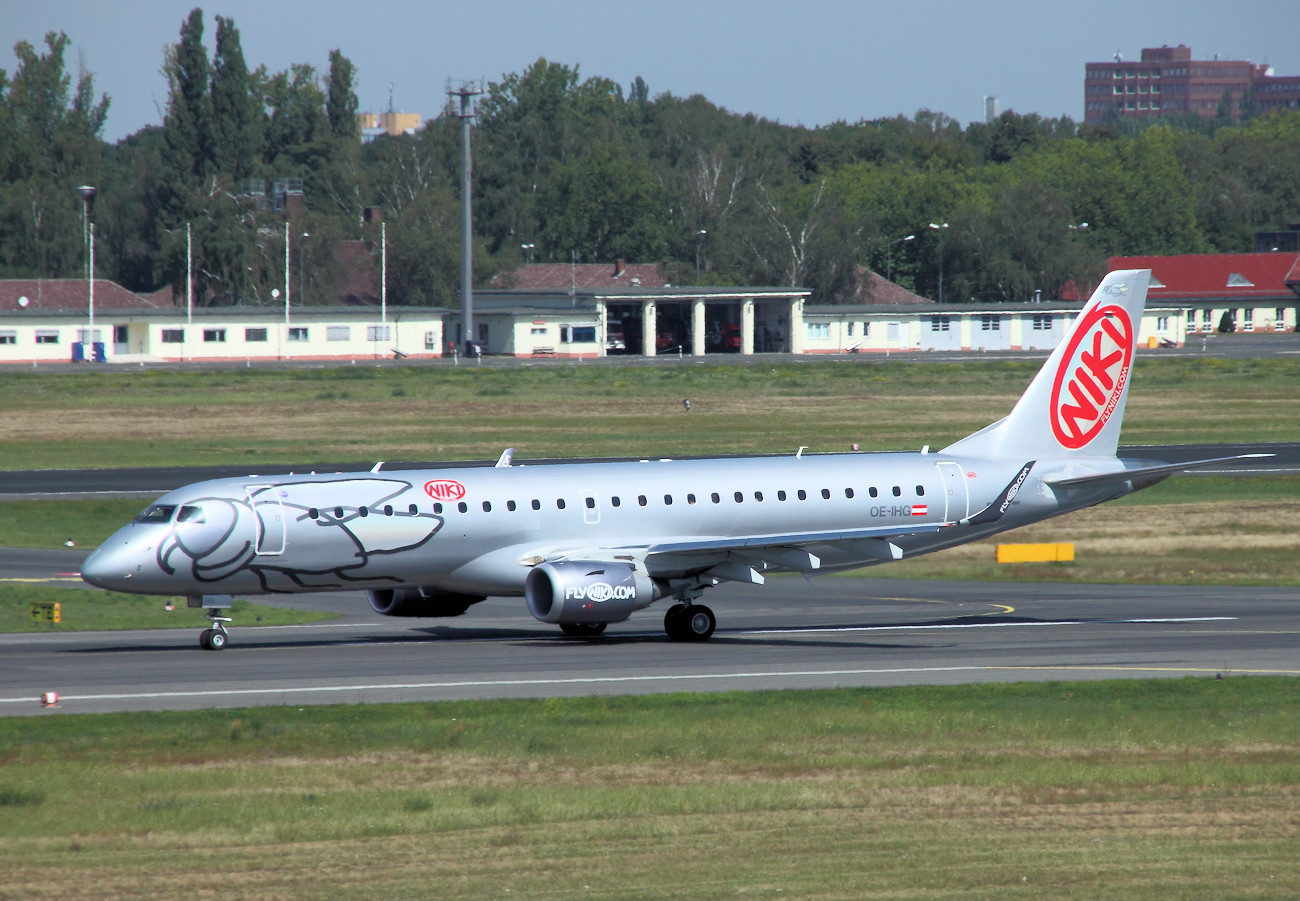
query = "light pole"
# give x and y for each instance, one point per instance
(528, 253)
(937, 229)
(889, 255)
(699, 237)
(302, 269)
(87, 193)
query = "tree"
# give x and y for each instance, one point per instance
(237, 115)
(342, 101)
(189, 104)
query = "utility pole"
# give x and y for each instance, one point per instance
(466, 91)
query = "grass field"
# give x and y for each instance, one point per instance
(124, 418)
(1157, 789)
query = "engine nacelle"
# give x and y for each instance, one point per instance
(422, 601)
(587, 592)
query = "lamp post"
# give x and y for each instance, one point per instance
(889, 255)
(528, 253)
(699, 237)
(87, 193)
(937, 228)
(302, 269)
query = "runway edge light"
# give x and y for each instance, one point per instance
(49, 698)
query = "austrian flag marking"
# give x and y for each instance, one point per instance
(1091, 377)
(919, 509)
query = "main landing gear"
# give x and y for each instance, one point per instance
(689, 622)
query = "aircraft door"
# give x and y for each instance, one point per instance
(272, 528)
(956, 499)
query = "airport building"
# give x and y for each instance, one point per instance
(1167, 81)
(1193, 295)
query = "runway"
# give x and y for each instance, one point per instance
(840, 631)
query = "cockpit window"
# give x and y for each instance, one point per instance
(190, 513)
(157, 513)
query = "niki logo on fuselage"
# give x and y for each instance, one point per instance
(1091, 377)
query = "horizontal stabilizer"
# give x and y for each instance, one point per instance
(1142, 472)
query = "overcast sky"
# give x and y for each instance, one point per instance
(799, 61)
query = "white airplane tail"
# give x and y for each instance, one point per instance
(1075, 405)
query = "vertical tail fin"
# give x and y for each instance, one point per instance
(1075, 405)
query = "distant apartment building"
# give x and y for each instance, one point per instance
(1167, 81)
(390, 123)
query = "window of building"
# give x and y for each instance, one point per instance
(338, 333)
(940, 323)
(121, 334)
(173, 336)
(578, 334)
(1042, 323)
(537, 330)
(1248, 319)
(1162, 323)
(990, 323)
(214, 336)
(818, 331)
(8, 336)
(379, 333)
(850, 329)
(254, 335)
(298, 333)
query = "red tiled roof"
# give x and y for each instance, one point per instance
(73, 294)
(562, 276)
(1227, 276)
(872, 287)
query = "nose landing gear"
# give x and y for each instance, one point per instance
(215, 638)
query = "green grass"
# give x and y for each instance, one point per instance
(1139, 790)
(48, 524)
(87, 610)
(158, 417)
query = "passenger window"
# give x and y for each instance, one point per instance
(388, 510)
(740, 498)
(758, 496)
(463, 507)
(873, 492)
(437, 508)
(780, 495)
(362, 511)
(920, 491)
(537, 505)
(511, 506)
(313, 513)
(615, 501)
(487, 506)
(848, 492)
(640, 499)
(690, 499)
(591, 503)
(413, 510)
(826, 494)
(898, 492)
(715, 497)
(668, 500)
(559, 503)
(803, 495)
(338, 512)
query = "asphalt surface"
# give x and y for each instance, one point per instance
(70, 484)
(840, 631)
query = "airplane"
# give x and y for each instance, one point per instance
(590, 543)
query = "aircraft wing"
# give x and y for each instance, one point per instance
(1143, 473)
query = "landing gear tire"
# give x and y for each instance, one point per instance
(205, 639)
(217, 640)
(582, 630)
(693, 622)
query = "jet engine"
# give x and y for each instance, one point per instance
(587, 592)
(422, 601)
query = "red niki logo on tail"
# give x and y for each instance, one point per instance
(1091, 378)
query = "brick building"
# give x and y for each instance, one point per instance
(1167, 81)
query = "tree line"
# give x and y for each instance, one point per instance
(584, 171)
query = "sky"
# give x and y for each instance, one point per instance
(809, 62)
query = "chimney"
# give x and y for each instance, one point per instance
(619, 267)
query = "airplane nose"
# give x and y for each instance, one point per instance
(107, 567)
